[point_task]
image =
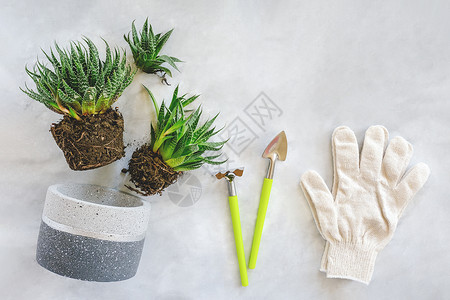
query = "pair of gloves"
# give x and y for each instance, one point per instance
(359, 216)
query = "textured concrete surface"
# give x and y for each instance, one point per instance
(96, 211)
(86, 258)
(321, 64)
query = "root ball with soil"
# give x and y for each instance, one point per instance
(92, 142)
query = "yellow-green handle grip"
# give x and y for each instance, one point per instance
(263, 203)
(236, 220)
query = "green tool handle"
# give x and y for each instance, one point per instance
(234, 209)
(263, 203)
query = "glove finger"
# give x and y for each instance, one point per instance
(345, 152)
(409, 186)
(320, 201)
(397, 157)
(375, 142)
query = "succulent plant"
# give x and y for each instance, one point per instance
(179, 139)
(80, 83)
(177, 143)
(146, 47)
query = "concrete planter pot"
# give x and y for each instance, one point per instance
(92, 233)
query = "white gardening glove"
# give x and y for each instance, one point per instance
(359, 217)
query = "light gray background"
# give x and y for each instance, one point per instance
(324, 63)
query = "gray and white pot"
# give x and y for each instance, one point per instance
(93, 233)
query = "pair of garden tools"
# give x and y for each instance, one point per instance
(276, 150)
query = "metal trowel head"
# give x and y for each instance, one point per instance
(277, 148)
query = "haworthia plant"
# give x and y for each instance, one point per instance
(146, 47)
(179, 139)
(80, 83)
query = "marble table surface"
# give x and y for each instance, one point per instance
(305, 67)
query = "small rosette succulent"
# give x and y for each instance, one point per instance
(146, 47)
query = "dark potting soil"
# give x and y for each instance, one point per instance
(95, 141)
(149, 173)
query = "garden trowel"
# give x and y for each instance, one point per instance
(276, 149)
(234, 209)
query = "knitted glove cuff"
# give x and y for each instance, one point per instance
(351, 261)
